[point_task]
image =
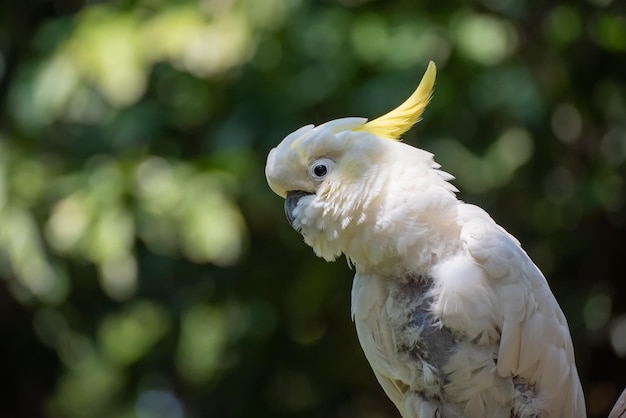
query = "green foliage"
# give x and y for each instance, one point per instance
(146, 267)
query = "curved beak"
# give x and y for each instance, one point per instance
(291, 201)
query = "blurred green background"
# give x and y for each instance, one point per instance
(147, 269)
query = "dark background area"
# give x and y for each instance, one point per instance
(147, 269)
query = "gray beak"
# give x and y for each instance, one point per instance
(291, 201)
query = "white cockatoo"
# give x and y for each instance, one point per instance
(451, 313)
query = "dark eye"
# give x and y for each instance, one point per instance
(320, 168)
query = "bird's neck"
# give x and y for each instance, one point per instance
(412, 241)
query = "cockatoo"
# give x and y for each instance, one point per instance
(452, 315)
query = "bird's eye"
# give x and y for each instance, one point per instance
(319, 169)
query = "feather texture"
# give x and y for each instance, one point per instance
(451, 313)
(512, 354)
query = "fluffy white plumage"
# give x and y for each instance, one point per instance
(451, 313)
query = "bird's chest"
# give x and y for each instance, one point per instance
(411, 345)
(419, 333)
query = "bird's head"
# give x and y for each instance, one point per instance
(335, 176)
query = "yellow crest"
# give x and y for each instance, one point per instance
(400, 119)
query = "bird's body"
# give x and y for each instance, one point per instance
(453, 316)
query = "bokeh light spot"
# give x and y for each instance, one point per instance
(202, 343)
(597, 311)
(563, 24)
(485, 38)
(566, 123)
(158, 404)
(618, 335)
(127, 336)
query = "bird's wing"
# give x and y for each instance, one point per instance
(535, 343)
(376, 339)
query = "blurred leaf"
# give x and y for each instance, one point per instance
(127, 336)
(148, 270)
(202, 343)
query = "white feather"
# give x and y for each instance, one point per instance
(505, 345)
